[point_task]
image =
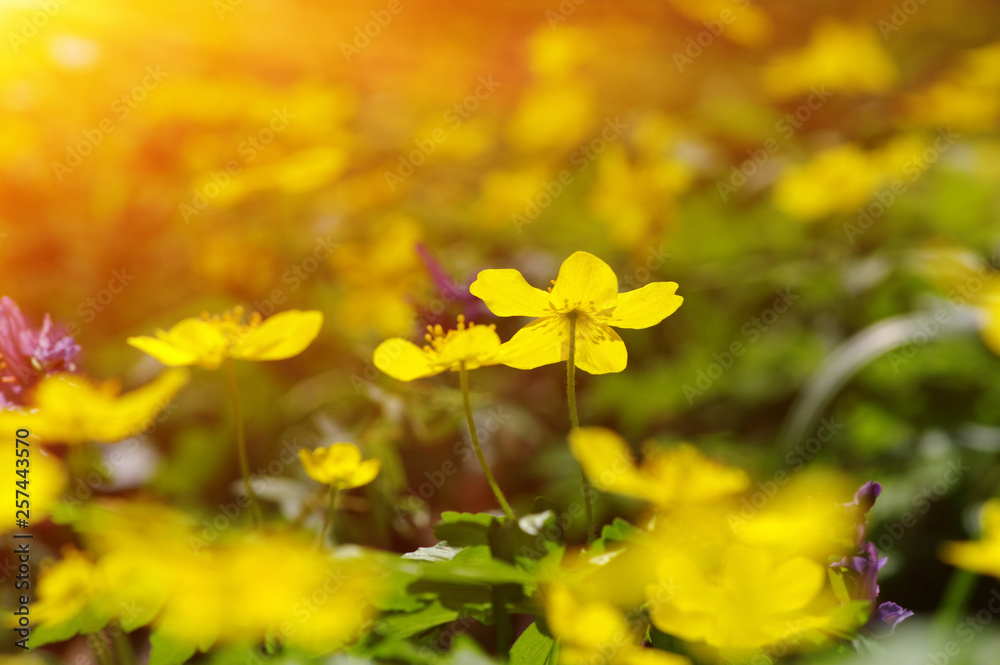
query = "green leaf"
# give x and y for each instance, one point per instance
(471, 565)
(440, 552)
(400, 626)
(532, 647)
(168, 651)
(84, 623)
(464, 529)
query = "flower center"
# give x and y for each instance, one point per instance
(231, 324)
(437, 338)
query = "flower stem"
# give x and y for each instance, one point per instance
(241, 442)
(122, 645)
(463, 375)
(98, 643)
(574, 420)
(329, 516)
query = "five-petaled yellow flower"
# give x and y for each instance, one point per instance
(585, 293)
(339, 465)
(207, 341)
(469, 345)
(68, 408)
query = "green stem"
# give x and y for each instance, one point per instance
(241, 442)
(574, 420)
(956, 597)
(329, 516)
(99, 645)
(463, 375)
(123, 646)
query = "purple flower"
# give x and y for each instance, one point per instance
(887, 617)
(863, 501)
(27, 353)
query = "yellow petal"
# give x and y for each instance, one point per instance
(606, 460)
(133, 413)
(647, 306)
(599, 349)
(189, 342)
(541, 342)
(403, 360)
(506, 293)
(282, 336)
(364, 474)
(793, 584)
(584, 279)
(476, 346)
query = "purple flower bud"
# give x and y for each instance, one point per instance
(887, 617)
(27, 354)
(865, 497)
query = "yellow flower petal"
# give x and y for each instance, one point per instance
(506, 293)
(599, 349)
(793, 585)
(189, 342)
(584, 279)
(606, 460)
(541, 342)
(364, 474)
(282, 336)
(647, 306)
(403, 360)
(475, 346)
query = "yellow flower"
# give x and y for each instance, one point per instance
(67, 587)
(982, 556)
(339, 465)
(753, 600)
(206, 341)
(70, 409)
(469, 344)
(839, 57)
(666, 478)
(596, 632)
(585, 290)
(47, 476)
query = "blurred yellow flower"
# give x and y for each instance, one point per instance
(754, 599)
(667, 478)
(586, 294)
(206, 341)
(837, 179)
(157, 562)
(339, 465)
(70, 409)
(982, 556)
(468, 345)
(597, 632)
(838, 58)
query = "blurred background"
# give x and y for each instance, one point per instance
(820, 178)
